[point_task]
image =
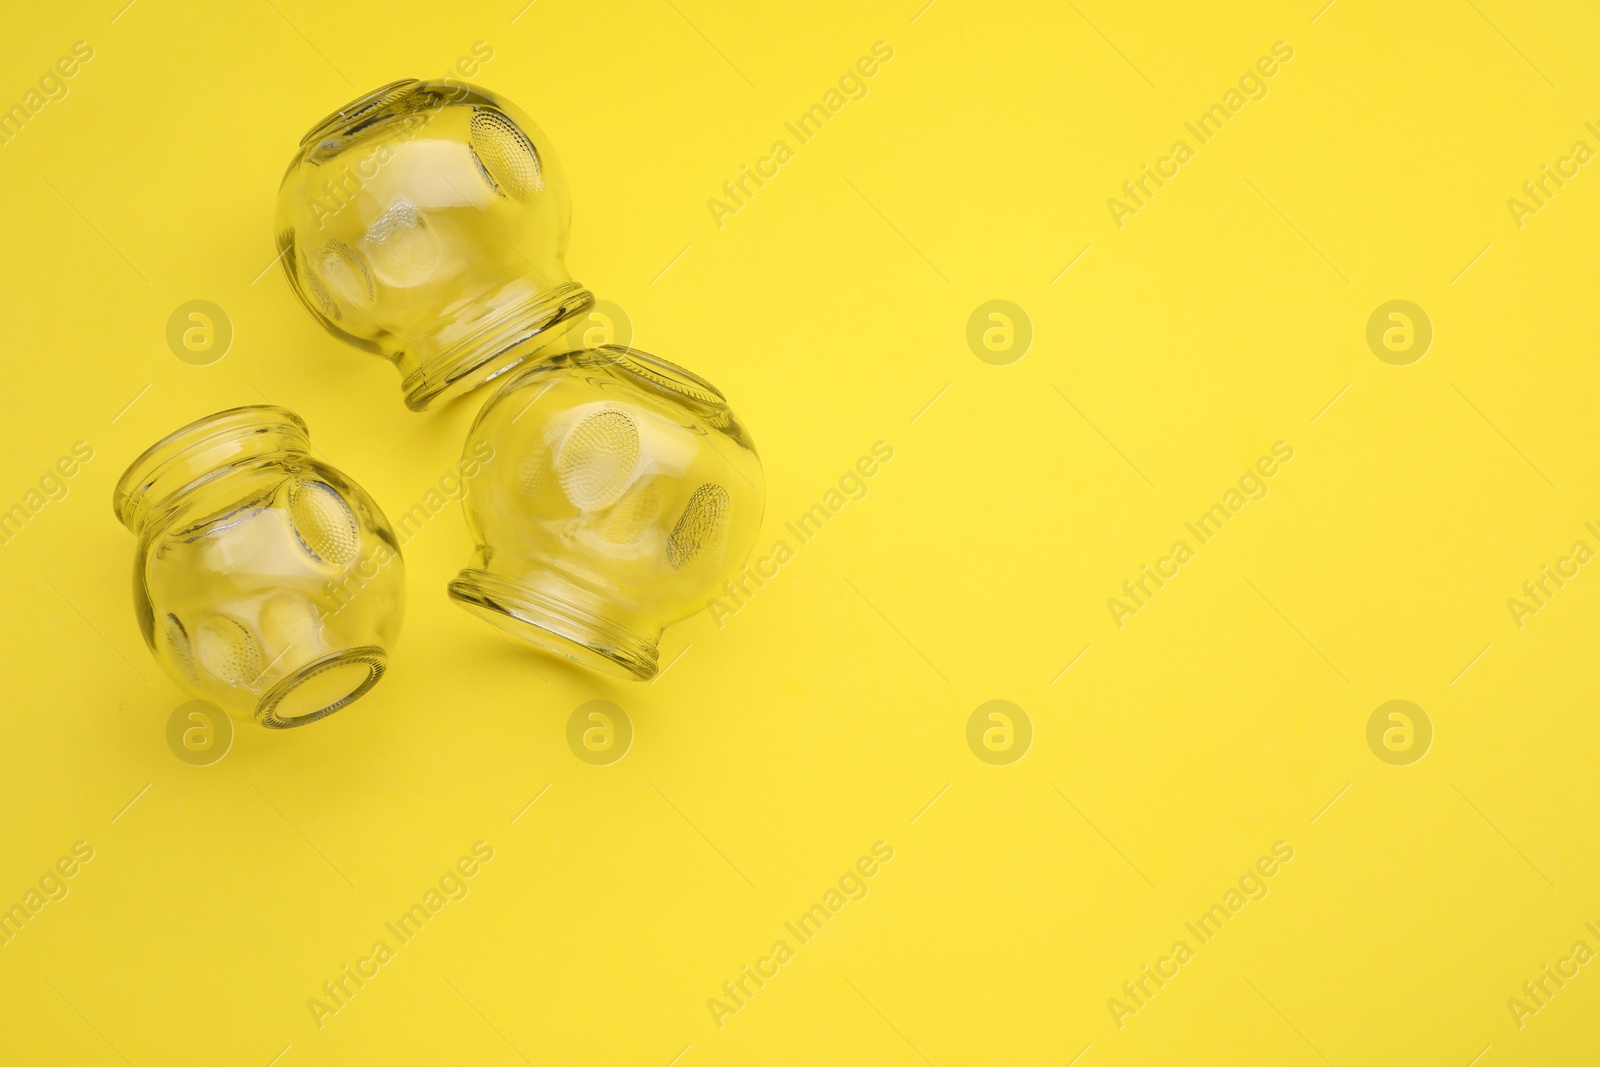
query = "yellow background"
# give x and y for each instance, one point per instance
(830, 711)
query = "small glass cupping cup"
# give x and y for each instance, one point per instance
(264, 580)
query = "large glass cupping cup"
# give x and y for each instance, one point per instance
(427, 223)
(621, 495)
(265, 581)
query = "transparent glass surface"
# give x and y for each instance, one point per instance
(265, 581)
(427, 223)
(621, 495)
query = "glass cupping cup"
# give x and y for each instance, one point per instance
(264, 581)
(622, 494)
(426, 222)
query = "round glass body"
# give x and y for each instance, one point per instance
(265, 581)
(426, 222)
(619, 494)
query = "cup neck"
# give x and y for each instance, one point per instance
(452, 362)
(200, 452)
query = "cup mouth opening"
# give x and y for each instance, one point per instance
(322, 687)
(352, 116)
(165, 460)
